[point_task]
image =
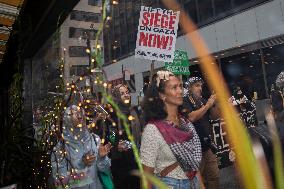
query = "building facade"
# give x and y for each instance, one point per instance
(245, 36)
(77, 33)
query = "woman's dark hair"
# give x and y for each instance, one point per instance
(153, 105)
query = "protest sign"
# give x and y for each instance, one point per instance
(225, 152)
(157, 33)
(180, 64)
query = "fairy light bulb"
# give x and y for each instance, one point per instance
(92, 60)
(105, 85)
(88, 51)
(103, 141)
(130, 118)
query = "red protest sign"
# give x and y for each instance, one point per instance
(157, 33)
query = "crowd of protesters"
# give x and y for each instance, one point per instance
(172, 128)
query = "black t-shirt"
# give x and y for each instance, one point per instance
(202, 126)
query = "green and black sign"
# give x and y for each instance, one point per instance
(180, 64)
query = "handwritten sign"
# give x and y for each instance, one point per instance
(180, 65)
(225, 152)
(157, 33)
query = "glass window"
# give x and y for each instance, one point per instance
(78, 70)
(238, 71)
(241, 2)
(190, 7)
(81, 32)
(205, 10)
(94, 2)
(222, 7)
(84, 16)
(273, 61)
(77, 51)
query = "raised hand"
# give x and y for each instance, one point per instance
(211, 100)
(104, 149)
(88, 158)
(122, 146)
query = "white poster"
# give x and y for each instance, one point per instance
(157, 32)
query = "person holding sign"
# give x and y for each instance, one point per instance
(170, 146)
(197, 110)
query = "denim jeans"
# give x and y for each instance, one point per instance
(180, 183)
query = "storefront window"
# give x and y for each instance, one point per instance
(245, 70)
(190, 8)
(222, 7)
(205, 8)
(274, 62)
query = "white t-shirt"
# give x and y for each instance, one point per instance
(156, 153)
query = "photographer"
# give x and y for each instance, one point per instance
(197, 110)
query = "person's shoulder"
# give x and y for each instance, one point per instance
(150, 127)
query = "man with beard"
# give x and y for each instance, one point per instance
(197, 110)
(122, 157)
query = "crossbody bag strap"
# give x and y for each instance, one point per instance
(169, 169)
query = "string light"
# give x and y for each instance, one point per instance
(131, 118)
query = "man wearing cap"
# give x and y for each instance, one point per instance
(197, 110)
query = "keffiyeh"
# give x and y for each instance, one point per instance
(184, 143)
(193, 80)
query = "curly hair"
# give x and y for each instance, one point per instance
(116, 93)
(153, 106)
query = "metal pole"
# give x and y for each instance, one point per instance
(151, 71)
(264, 72)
